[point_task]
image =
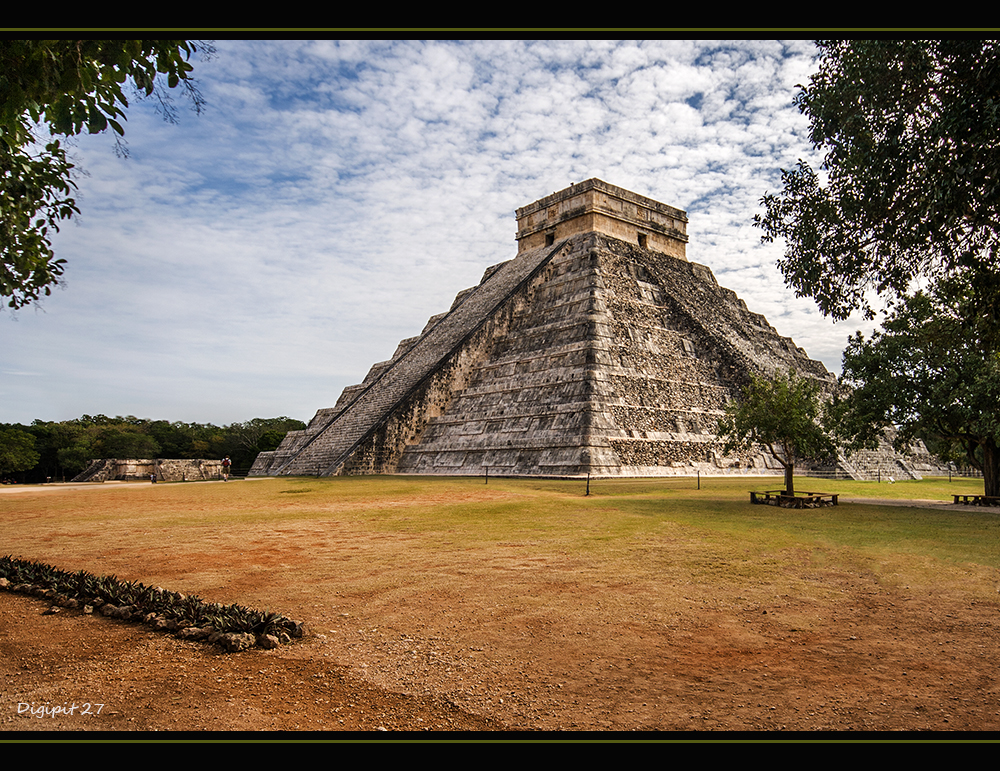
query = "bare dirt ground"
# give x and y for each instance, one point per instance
(601, 657)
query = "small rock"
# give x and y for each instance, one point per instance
(234, 642)
(267, 641)
(194, 633)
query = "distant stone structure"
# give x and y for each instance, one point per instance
(166, 470)
(598, 349)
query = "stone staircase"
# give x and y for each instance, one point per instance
(330, 439)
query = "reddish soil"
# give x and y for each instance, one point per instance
(121, 677)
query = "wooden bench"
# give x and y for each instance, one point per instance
(977, 500)
(803, 500)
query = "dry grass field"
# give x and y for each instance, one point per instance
(450, 604)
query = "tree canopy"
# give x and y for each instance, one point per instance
(910, 180)
(63, 449)
(783, 416)
(68, 87)
(17, 450)
(929, 374)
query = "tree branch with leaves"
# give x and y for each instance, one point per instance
(928, 374)
(67, 87)
(909, 186)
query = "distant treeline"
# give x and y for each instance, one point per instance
(61, 450)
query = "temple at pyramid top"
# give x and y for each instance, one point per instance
(594, 206)
(598, 349)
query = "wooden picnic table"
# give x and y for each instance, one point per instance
(978, 500)
(800, 500)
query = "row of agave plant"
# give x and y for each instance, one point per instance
(183, 610)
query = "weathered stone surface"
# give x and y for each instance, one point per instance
(586, 354)
(195, 633)
(166, 470)
(234, 642)
(594, 206)
(268, 641)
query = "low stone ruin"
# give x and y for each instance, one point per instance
(166, 470)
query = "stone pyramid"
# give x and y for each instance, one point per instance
(598, 349)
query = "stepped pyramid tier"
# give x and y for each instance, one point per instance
(598, 349)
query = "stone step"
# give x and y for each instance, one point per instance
(324, 452)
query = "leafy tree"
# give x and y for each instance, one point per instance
(67, 447)
(929, 374)
(910, 180)
(783, 416)
(17, 450)
(125, 442)
(70, 86)
(74, 458)
(260, 434)
(51, 440)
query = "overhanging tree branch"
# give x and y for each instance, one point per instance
(67, 86)
(909, 131)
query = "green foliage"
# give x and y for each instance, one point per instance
(67, 447)
(69, 86)
(782, 415)
(125, 443)
(263, 434)
(34, 197)
(928, 373)
(910, 180)
(17, 450)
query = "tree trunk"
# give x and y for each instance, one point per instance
(991, 468)
(789, 483)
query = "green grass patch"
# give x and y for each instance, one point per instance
(385, 533)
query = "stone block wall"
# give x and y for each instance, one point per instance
(166, 470)
(378, 407)
(594, 206)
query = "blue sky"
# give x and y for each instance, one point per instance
(254, 260)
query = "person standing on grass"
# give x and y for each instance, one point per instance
(226, 464)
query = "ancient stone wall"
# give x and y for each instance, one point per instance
(166, 470)
(527, 408)
(594, 206)
(621, 365)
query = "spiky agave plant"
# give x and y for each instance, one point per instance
(18, 571)
(84, 585)
(186, 611)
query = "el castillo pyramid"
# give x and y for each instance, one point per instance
(598, 349)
